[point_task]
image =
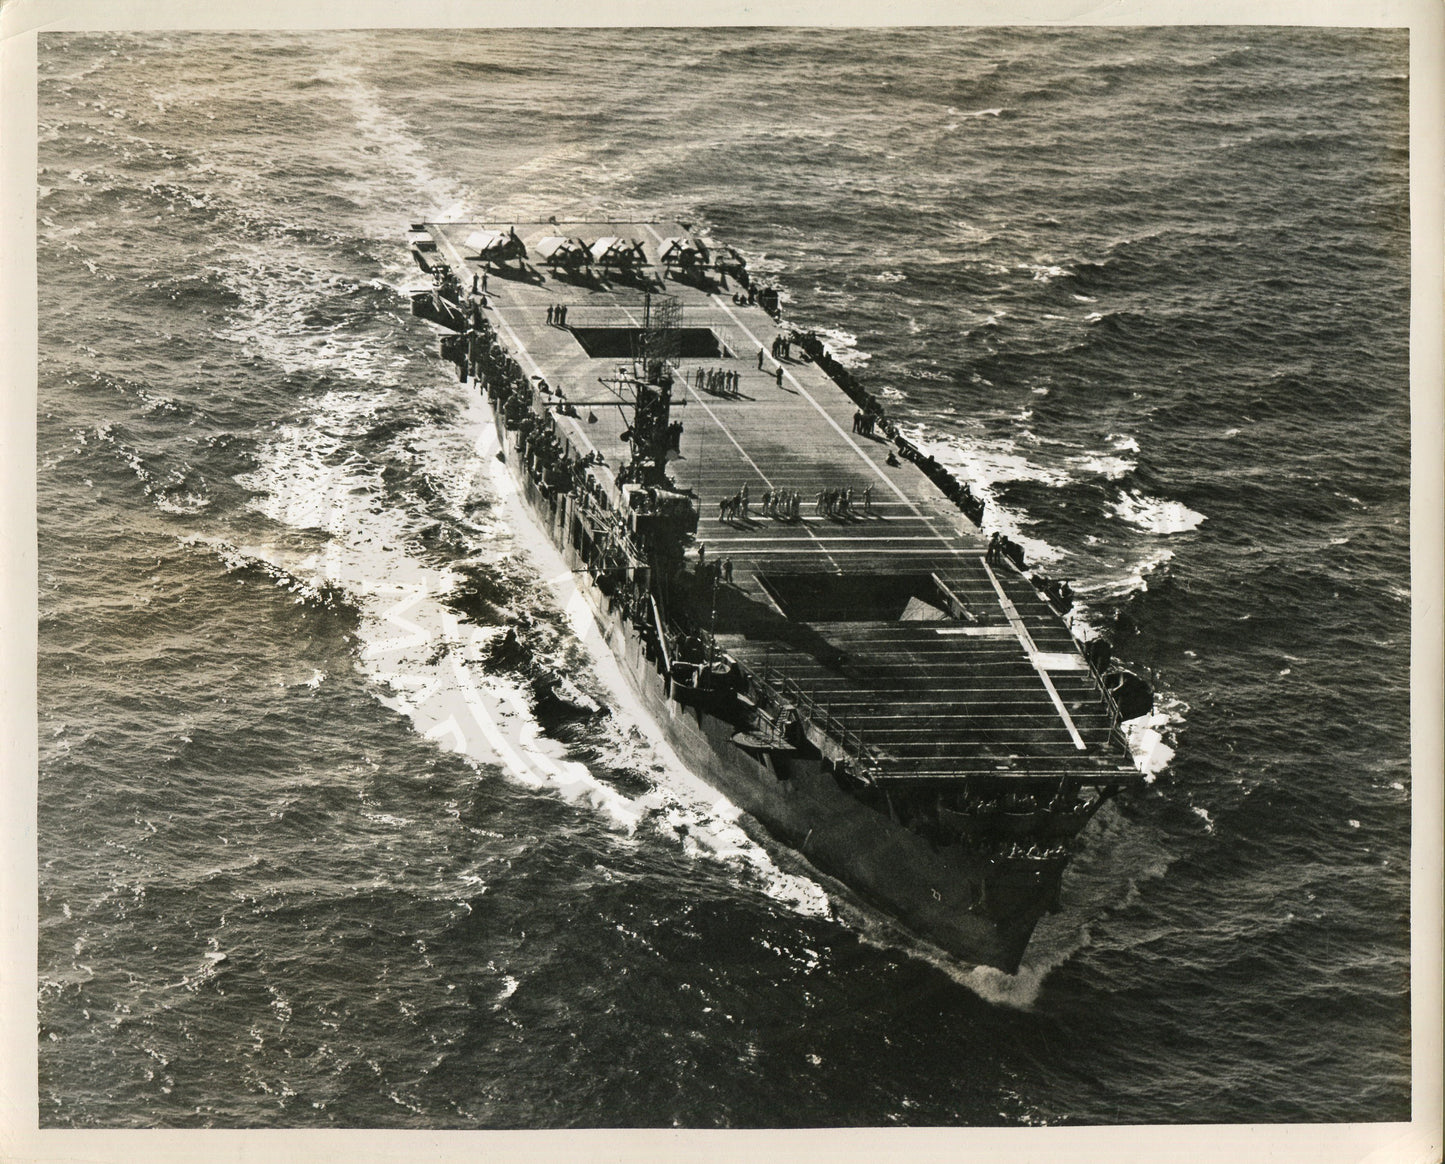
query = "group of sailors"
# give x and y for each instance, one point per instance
(786, 505)
(557, 315)
(545, 457)
(718, 381)
(782, 348)
(734, 508)
(1059, 593)
(839, 503)
(715, 571)
(777, 503)
(782, 504)
(863, 422)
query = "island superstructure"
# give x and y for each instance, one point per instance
(803, 600)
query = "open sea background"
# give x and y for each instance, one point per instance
(1147, 289)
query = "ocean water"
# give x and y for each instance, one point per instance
(307, 860)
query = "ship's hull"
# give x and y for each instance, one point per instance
(981, 911)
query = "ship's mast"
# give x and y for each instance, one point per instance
(650, 433)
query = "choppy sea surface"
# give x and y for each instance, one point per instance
(306, 861)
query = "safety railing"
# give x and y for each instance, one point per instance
(782, 685)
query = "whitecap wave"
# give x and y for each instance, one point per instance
(1045, 272)
(1155, 515)
(1103, 465)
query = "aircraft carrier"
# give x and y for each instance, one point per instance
(802, 599)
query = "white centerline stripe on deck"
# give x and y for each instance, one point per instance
(1032, 652)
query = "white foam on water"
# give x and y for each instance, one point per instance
(1044, 272)
(1051, 946)
(1131, 577)
(399, 147)
(1155, 515)
(276, 295)
(982, 463)
(844, 346)
(1103, 465)
(421, 656)
(1151, 737)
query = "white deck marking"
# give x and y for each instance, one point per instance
(1032, 652)
(1061, 661)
